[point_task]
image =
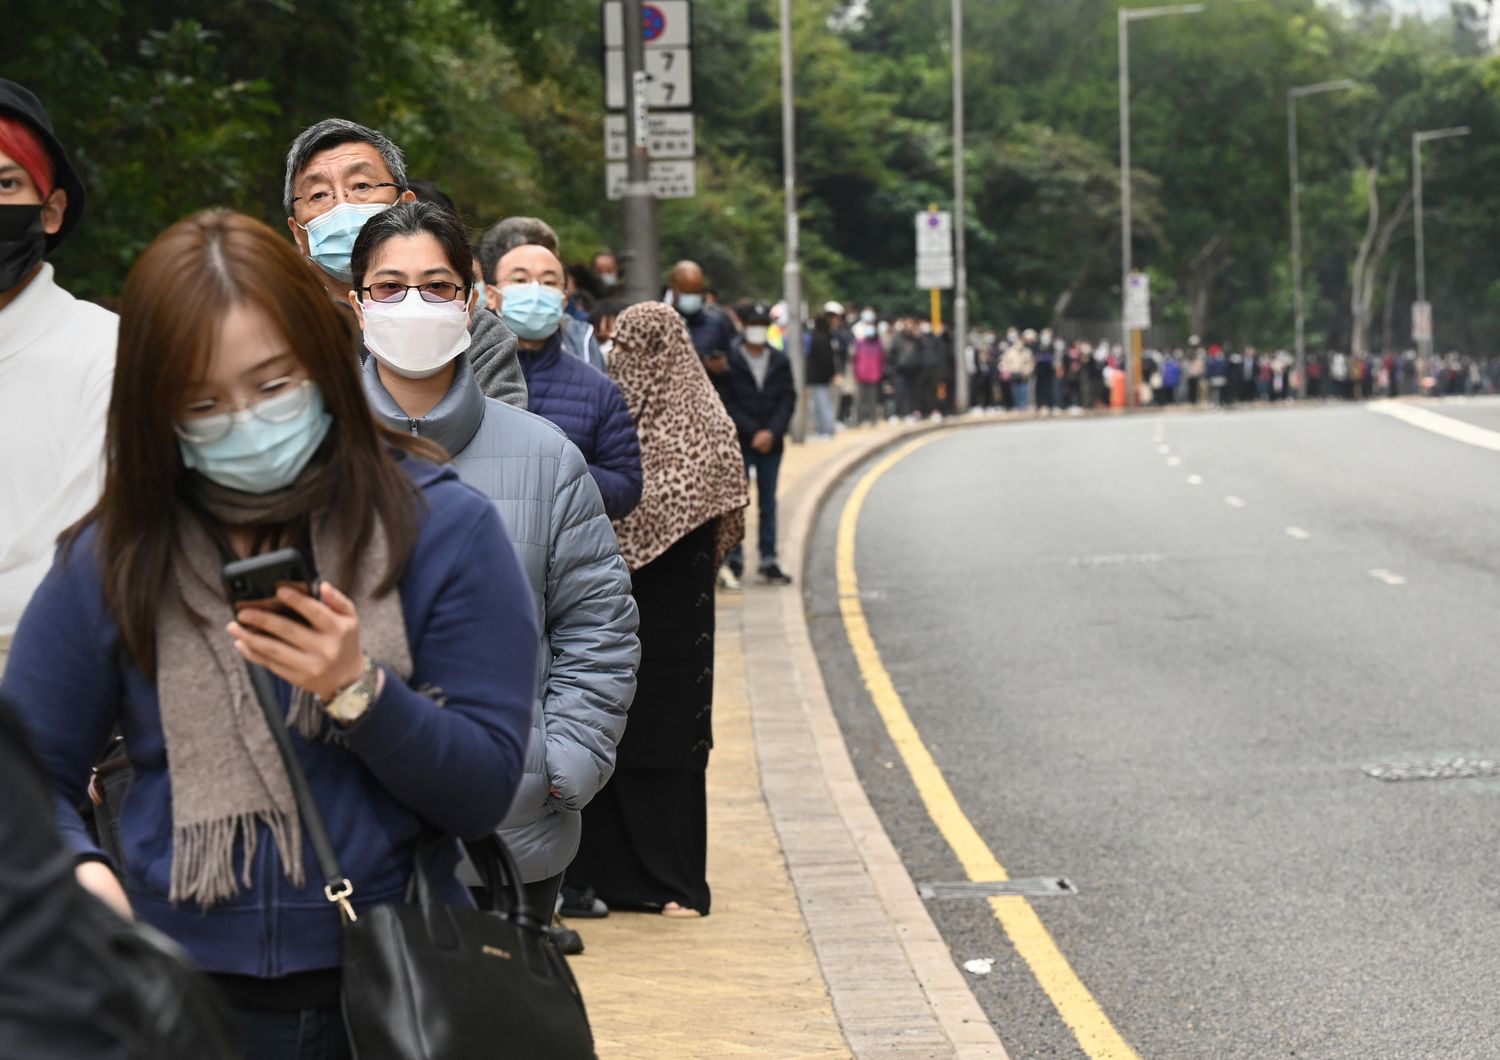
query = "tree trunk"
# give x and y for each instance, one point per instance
(1203, 272)
(1373, 247)
(1359, 315)
(1388, 330)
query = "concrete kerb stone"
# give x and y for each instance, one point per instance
(890, 958)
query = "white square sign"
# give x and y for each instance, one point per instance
(670, 135)
(664, 24)
(670, 179)
(669, 78)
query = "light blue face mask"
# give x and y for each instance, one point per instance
(257, 456)
(689, 304)
(331, 236)
(531, 310)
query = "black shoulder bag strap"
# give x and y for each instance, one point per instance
(336, 886)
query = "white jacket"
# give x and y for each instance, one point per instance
(57, 364)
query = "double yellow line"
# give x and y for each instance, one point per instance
(1096, 1035)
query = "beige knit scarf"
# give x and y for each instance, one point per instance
(226, 775)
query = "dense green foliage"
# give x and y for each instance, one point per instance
(171, 106)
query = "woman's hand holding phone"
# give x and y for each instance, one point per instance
(323, 656)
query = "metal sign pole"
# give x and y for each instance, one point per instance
(642, 239)
(791, 277)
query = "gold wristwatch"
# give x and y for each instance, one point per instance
(350, 703)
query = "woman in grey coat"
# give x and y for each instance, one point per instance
(413, 297)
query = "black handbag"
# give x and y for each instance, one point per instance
(425, 980)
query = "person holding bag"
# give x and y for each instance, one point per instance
(238, 426)
(412, 297)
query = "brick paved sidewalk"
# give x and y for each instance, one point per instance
(749, 980)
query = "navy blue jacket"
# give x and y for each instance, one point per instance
(711, 331)
(755, 408)
(404, 767)
(592, 412)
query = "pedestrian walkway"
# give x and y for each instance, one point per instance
(832, 957)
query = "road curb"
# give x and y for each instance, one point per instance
(890, 975)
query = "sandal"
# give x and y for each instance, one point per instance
(674, 911)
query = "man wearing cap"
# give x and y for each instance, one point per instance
(57, 358)
(759, 395)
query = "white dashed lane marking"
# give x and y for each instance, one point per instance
(1195, 480)
(1174, 461)
(1298, 533)
(1381, 574)
(1234, 502)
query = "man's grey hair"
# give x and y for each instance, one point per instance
(511, 233)
(332, 132)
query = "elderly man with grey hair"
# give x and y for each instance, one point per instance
(339, 174)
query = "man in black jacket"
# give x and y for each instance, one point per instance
(759, 393)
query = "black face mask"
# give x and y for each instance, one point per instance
(23, 243)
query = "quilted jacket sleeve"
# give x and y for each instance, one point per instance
(616, 464)
(591, 630)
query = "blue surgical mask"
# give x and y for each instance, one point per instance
(257, 456)
(531, 310)
(689, 304)
(331, 236)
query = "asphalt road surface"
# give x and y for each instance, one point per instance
(1155, 655)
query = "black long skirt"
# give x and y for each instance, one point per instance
(645, 836)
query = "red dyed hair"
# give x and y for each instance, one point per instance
(21, 143)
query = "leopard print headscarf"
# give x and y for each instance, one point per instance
(690, 451)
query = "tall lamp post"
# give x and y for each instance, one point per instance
(1424, 345)
(1292, 96)
(960, 270)
(1126, 16)
(791, 282)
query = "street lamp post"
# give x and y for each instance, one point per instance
(960, 272)
(791, 283)
(1126, 16)
(1424, 345)
(1292, 96)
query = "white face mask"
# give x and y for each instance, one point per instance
(756, 334)
(415, 338)
(868, 316)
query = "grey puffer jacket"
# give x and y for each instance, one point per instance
(586, 668)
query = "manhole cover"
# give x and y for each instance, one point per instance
(1040, 887)
(1448, 767)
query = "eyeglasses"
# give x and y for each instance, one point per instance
(277, 401)
(321, 200)
(436, 291)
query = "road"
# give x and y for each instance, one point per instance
(1154, 655)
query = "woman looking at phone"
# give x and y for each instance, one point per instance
(413, 297)
(237, 426)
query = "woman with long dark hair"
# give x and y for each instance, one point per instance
(238, 425)
(645, 836)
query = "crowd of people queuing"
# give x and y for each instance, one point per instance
(508, 492)
(872, 369)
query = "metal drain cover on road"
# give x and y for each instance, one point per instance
(1442, 767)
(1040, 887)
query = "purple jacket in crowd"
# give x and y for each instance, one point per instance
(591, 411)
